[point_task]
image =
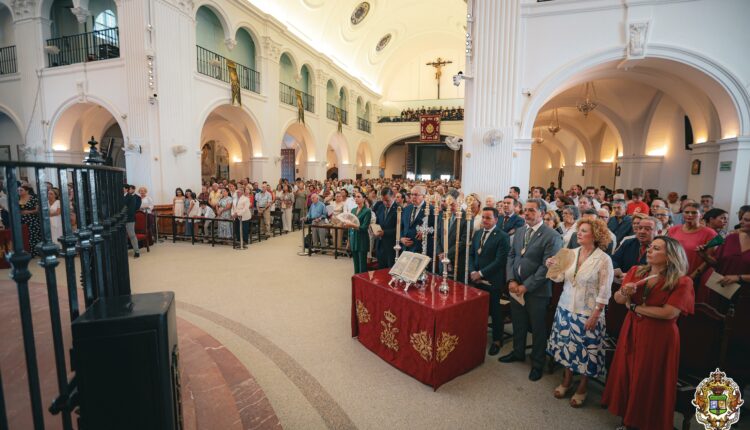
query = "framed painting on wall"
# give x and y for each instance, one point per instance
(5, 153)
(695, 167)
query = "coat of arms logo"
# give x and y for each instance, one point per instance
(717, 402)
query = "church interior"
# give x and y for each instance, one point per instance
(181, 275)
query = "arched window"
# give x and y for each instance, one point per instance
(104, 20)
(103, 23)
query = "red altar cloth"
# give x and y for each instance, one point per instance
(427, 335)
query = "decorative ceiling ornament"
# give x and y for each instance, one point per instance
(589, 103)
(360, 12)
(554, 124)
(383, 42)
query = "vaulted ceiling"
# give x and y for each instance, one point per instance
(349, 31)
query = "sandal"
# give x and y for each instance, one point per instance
(578, 400)
(561, 391)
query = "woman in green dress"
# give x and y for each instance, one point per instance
(359, 238)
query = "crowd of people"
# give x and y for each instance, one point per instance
(454, 113)
(654, 253)
(628, 248)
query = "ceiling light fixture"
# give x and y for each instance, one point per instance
(589, 103)
(554, 124)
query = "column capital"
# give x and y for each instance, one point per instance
(321, 77)
(81, 14)
(23, 9)
(230, 43)
(271, 49)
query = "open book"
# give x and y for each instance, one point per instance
(410, 266)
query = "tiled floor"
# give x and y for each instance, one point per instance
(217, 390)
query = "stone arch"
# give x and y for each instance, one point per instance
(241, 119)
(288, 74)
(310, 78)
(250, 29)
(364, 153)
(302, 135)
(75, 122)
(338, 142)
(732, 102)
(221, 15)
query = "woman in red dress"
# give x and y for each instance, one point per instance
(642, 381)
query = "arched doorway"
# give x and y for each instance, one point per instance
(11, 138)
(409, 158)
(228, 142)
(296, 144)
(77, 124)
(642, 124)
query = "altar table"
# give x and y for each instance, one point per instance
(430, 336)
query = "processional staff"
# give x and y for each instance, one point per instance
(425, 227)
(436, 210)
(397, 247)
(469, 228)
(444, 285)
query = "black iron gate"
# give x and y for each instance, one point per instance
(92, 217)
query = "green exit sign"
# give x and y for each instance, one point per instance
(725, 166)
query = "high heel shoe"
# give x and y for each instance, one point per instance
(561, 391)
(578, 400)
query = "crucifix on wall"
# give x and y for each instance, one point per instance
(438, 64)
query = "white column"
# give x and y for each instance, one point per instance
(347, 171)
(316, 170)
(141, 62)
(733, 176)
(599, 173)
(175, 153)
(261, 167)
(30, 35)
(490, 100)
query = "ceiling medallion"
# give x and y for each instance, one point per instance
(360, 12)
(383, 42)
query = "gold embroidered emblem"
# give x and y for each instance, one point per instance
(388, 335)
(363, 315)
(422, 343)
(445, 345)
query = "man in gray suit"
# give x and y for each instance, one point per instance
(532, 245)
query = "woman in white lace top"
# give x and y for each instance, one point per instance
(577, 335)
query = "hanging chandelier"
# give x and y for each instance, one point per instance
(554, 124)
(588, 104)
(539, 139)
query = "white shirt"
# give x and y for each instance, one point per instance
(589, 286)
(349, 205)
(147, 204)
(242, 208)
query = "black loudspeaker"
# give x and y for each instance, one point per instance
(126, 361)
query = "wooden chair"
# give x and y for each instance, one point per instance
(296, 225)
(277, 223)
(142, 231)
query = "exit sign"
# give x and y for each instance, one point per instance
(725, 166)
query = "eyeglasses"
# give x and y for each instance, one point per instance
(690, 212)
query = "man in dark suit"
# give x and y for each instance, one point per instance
(621, 224)
(386, 214)
(632, 252)
(509, 221)
(488, 257)
(411, 219)
(455, 225)
(532, 245)
(133, 202)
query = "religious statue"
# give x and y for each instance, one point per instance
(300, 107)
(338, 120)
(235, 83)
(438, 65)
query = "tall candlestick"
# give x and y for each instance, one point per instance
(457, 223)
(444, 285)
(435, 236)
(397, 247)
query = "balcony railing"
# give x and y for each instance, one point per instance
(214, 65)
(80, 48)
(8, 60)
(331, 114)
(412, 115)
(288, 95)
(363, 124)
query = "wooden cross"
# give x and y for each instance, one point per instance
(438, 65)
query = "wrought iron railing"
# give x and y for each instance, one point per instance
(288, 95)
(8, 60)
(363, 124)
(79, 48)
(92, 230)
(214, 65)
(331, 113)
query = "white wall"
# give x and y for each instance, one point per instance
(414, 80)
